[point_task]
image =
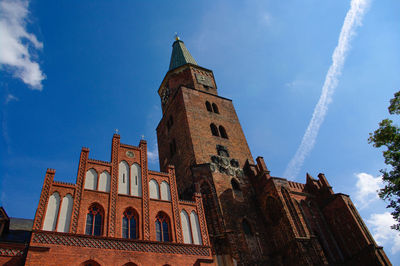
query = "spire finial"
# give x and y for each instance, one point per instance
(176, 37)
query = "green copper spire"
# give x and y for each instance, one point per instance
(180, 55)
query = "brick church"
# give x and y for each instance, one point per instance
(211, 203)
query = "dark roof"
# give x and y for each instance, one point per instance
(180, 55)
(21, 224)
(19, 231)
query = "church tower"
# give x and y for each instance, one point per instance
(200, 135)
(252, 217)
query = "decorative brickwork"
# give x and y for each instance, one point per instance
(174, 196)
(79, 185)
(145, 187)
(11, 252)
(44, 196)
(54, 238)
(202, 219)
(248, 218)
(114, 184)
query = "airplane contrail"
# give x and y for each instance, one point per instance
(351, 22)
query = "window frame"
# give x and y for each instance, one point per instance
(93, 214)
(133, 216)
(214, 130)
(215, 108)
(222, 132)
(163, 219)
(209, 107)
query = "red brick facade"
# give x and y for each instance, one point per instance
(211, 204)
(75, 247)
(252, 218)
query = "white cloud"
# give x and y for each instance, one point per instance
(10, 98)
(152, 155)
(299, 83)
(352, 20)
(367, 188)
(17, 44)
(379, 224)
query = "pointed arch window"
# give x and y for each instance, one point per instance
(237, 191)
(208, 106)
(194, 222)
(163, 228)
(53, 207)
(186, 230)
(214, 130)
(215, 108)
(222, 132)
(246, 228)
(235, 185)
(91, 179)
(130, 224)
(94, 220)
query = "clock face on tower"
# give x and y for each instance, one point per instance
(164, 95)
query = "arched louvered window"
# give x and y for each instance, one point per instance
(187, 233)
(163, 228)
(246, 228)
(130, 224)
(65, 214)
(214, 130)
(194, 222)
(208, 106)
(53, 206)
(94, 220)
(215, 108)
(222, 132)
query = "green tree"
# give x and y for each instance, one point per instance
(388, 135)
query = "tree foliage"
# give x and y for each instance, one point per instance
(388, 135)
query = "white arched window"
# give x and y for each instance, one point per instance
(136, 180)
(104, 181)
(187, 234)
(194, 221)
(65, 214)
(123, 180)
(53, 206)
(91, 179)
(165, 192)
(154, 190)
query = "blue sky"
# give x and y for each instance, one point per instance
(90, 67)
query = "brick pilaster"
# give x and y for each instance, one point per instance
(44, 198)
(79, 187)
